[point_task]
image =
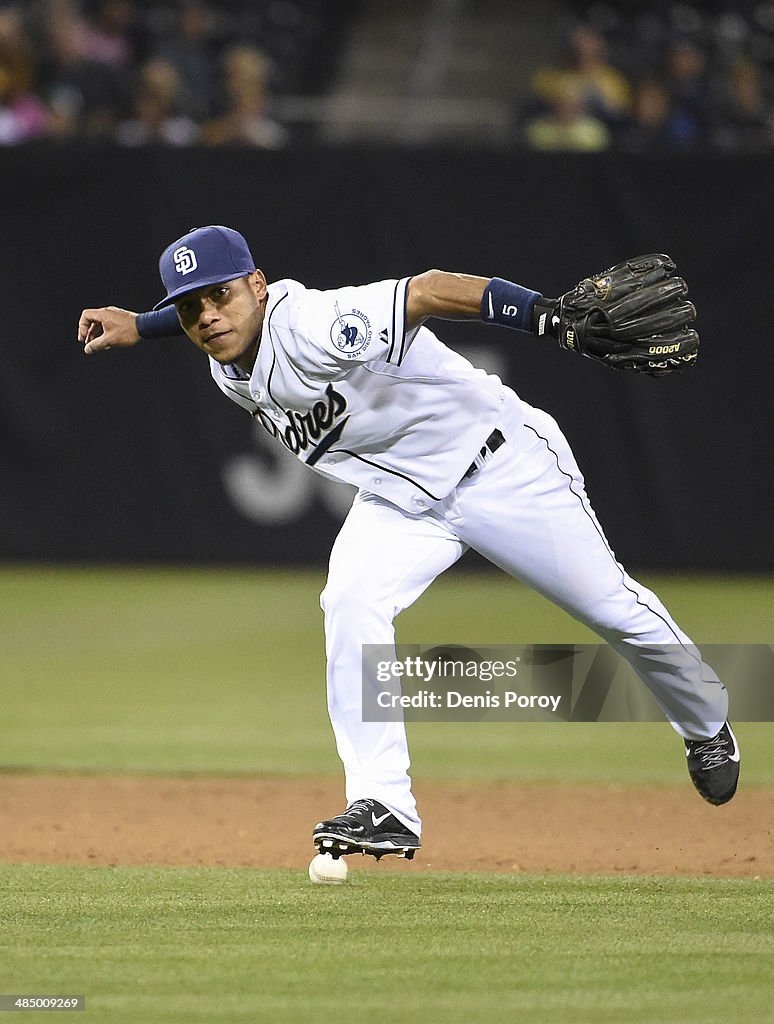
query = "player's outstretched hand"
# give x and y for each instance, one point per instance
(107, 327)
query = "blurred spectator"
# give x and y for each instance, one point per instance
(745, 121)
(649, 127)
(190, 50)
(159, 115)
(22, 115)
(245, 120)
(84, 95)
(689, 92)
(602, 90)
(108, 38)
(16, 49)
(567, 125)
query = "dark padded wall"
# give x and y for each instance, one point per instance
(136, 455)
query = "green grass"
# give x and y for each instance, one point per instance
(175, 670)
(222, 671)
(206, 945)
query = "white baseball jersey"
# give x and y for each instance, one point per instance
(342, 383)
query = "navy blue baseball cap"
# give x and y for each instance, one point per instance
(203, 257)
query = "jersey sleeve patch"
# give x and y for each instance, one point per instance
(352, 325)
(370, 323)
(351, 332)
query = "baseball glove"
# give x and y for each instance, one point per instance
(634, 317)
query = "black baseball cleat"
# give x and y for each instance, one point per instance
(714, 765)
(365, 827)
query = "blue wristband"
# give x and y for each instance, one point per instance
(158, 323)
(508, 304)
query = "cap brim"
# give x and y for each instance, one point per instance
(202, 283)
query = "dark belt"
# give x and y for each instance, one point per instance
(492, 443)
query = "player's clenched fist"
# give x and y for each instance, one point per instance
(107, 327)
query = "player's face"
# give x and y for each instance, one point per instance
(224, 320)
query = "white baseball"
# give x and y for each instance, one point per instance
(324, 870)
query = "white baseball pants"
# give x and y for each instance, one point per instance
(525, 510)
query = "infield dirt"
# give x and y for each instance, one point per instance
(266, 823)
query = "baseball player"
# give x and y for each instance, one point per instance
(445, 458)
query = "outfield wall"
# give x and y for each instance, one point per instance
(136, 456)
